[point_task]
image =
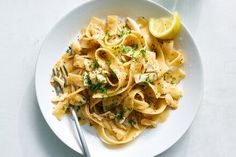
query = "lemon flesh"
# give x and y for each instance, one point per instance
(165, 28)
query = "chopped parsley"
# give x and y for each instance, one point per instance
(126, 49)
(129, 109)
(115, 47)
(143, 52)
(108, 34)
(98, 87)
(68, 50)
(134, 46)
(135, 58)
(77, 108)
(158, 93)
(119, 115)
(108, 107)
(108, 63)
(173, 81)
(132, 122)
(96, 65)
(94, 87)
(147, 80)
(81, 102)
(122, 33)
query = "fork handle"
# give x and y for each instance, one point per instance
(80, 134)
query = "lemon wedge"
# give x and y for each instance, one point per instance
(165, 28)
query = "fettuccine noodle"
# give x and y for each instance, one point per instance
(119, 78)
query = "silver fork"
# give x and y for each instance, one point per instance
(62, 70)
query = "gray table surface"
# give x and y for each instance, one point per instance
(25, 23)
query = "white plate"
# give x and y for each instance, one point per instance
(153, 141)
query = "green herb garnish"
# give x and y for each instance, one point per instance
(147, 80)
(68, 50)
(143, 52)
(94, 87)
(96, 65)
(132, 122)
(108, 34)
(77, 108)
(108, 63)
(98, 87)
(134, 46)
(129, 109)
(126, 49)
(135, 58)
(173, 81)
(119, 115)
(122, 33)
(108, 107)
(115, 47)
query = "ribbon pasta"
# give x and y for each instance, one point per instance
(119, 78)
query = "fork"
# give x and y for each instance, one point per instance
(62, 70)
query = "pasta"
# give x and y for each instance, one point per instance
(119, 78)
